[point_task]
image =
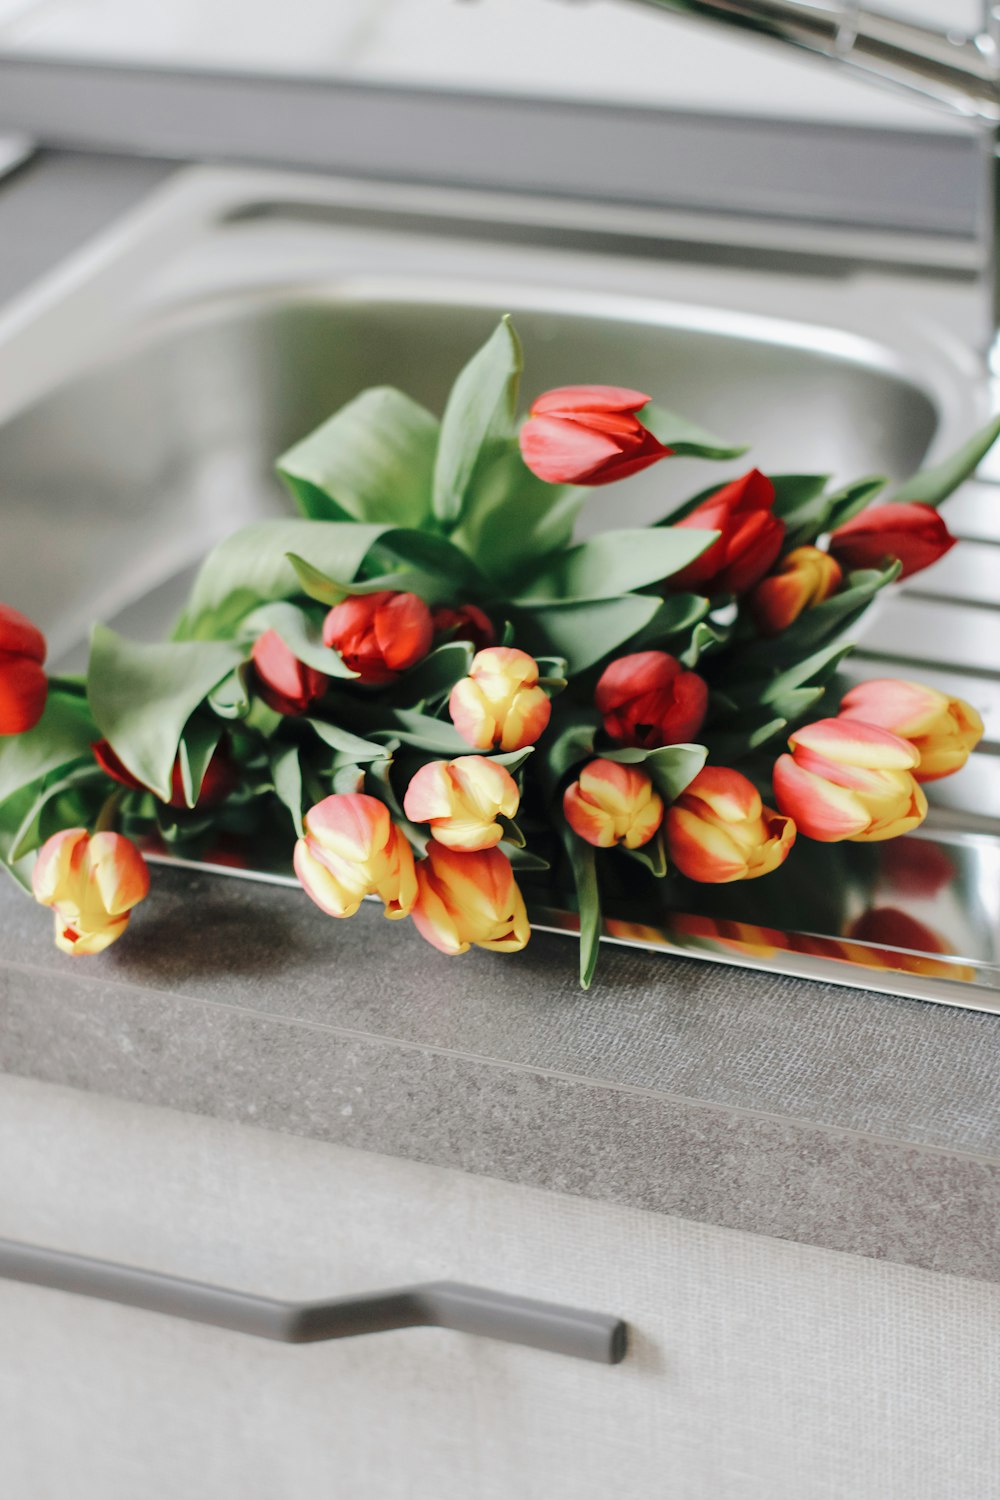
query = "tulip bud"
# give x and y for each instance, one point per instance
(352, 849)
(719, 830)
(221, 776)
(286, 684)
(648, 699)
(466, 622)
(750, 537)
(92, 883)
(499, 704)
(912, 534)
(613, 804)
(588, 434)
(23, 684)
(461, 800)
(469, 899)
(380, 635)
(806, 576)
(944, 731)
(848, 780)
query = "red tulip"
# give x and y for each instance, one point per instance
(380, 635)
(286, 684)
(749, 541)
(913, 534)
(588, 434)
(221, 776)
(848, 780)
(466, 622)
(648, 699)
(23, 684)
(804, 578)
(92, 883)
(719, 830)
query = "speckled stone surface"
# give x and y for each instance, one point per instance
(813, 1113)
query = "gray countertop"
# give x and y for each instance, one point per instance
(809, 1112)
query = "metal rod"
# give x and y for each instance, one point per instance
(439, 1304)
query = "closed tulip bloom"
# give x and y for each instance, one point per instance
(806, 576)
(380, 635)
(462, 800)
(469, 899)
(943, 730)
(613, 804)
(500, 705)
(588, 434)
(221, 776)
(352, 849)
(464, 622)
(750, 537)
(648, 699)
(848, 780)
(719, 830)
(23, 684)
(912, 534)
(286, 684)
(92, 883)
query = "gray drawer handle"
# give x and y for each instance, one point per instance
(435, 1304)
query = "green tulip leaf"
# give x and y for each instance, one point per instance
(793, 492)
(671, 767)
(619, 562)
(64, 733)
(372, 461)
(583, 863)
(286, 772)
(478, 420)
(199, 743)
(301, 635)
(346, 743)
(512, 518)
(934, 485)
(583, 631)
(686, 438)
(142, 696)
(433, 679)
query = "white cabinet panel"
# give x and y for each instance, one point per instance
(759, 1370)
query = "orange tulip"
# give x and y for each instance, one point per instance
(92, 883)
(23, 684)
(849, 780)
(613, 804)
(944, 731)
(588, 434)
(806, 576)
(719, 830)
(499, 704)
(286, 684)
(750, 537)
(648, 699)
(380, 635)
(468, 899)
(911, 533)
(461, 800)
(352, 849)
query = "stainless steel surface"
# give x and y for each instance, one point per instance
(154, 379)
(942, 64)
(474, 1310)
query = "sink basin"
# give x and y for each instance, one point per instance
(154, 384)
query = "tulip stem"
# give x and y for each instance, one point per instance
(108, 815)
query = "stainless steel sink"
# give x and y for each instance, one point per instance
(148, 387)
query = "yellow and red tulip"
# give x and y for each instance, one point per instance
(469, 899)
(380, 635)
(648, 699)
(352, 849)
(500, 705)
(750, 537)
(910, 533)
(92, 883)
(588, 434)
(846, 779)
(23, 684)
(611, 804)
(286, 684)
(461, 800)
(718, 829)
(943, 730)
(803, 578)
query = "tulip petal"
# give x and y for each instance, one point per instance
(579, 400)
(119, 872)
(58, 865)
(819, 809)
(851, 742)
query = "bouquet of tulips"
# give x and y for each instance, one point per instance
(424, 690)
